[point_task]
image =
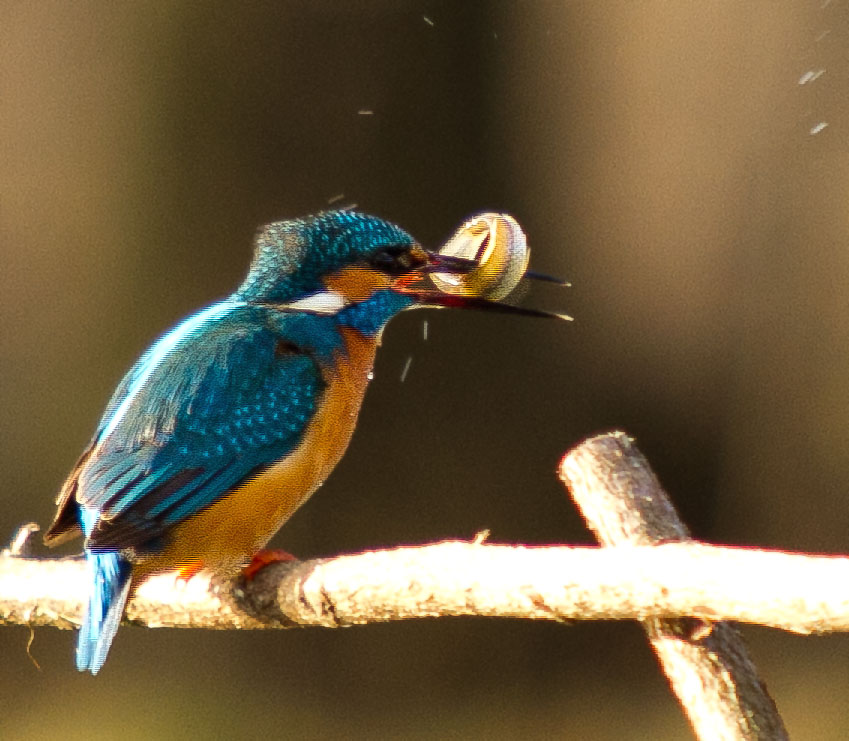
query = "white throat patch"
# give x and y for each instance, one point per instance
(323, 302)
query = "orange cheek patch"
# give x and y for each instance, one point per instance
(357, 283)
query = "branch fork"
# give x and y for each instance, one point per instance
(648, 569)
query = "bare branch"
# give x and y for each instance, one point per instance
(649, 570)
(707, 664)
(795, 592)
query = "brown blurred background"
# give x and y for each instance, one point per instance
(660, 155)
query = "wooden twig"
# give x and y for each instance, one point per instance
(707, 664)
(804, 594)
(648, 570)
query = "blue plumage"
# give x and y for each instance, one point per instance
(222, 396)
(192, 419)
(109, 577)
(213, 407)
(369, 316)
(229, 421)
(292, 257)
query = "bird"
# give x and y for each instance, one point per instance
(233, 418)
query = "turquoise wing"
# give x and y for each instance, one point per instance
(215, 401)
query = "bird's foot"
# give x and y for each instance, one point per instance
(263, 558)
(188, 570)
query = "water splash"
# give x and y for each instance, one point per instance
(810, 76)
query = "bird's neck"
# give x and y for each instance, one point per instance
(322, 334)
(370, 316)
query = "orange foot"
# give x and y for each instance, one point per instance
(263, 558)
(188, 570)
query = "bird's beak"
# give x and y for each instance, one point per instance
(449, 264)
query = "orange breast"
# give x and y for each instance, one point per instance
(228, 533)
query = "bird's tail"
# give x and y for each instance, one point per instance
(109, 580)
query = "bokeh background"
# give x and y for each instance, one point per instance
(685, 165)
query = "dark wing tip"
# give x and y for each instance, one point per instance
(66, 523)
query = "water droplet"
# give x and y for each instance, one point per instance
(406, 368)
(810, 76)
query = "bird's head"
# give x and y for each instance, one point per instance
(360, 268)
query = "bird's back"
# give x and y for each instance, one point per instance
(212, 409)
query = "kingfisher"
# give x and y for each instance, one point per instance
(232, 419)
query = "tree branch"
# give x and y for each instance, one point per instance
(707, 664)
(649, 570)
(795, 592)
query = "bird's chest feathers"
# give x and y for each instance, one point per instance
(244, 520)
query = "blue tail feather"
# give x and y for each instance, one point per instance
(109, 584)
(109, 577)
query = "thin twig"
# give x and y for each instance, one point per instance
(707, 664)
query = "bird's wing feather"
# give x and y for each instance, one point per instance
(185, 427)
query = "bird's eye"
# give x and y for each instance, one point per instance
(395, 260)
